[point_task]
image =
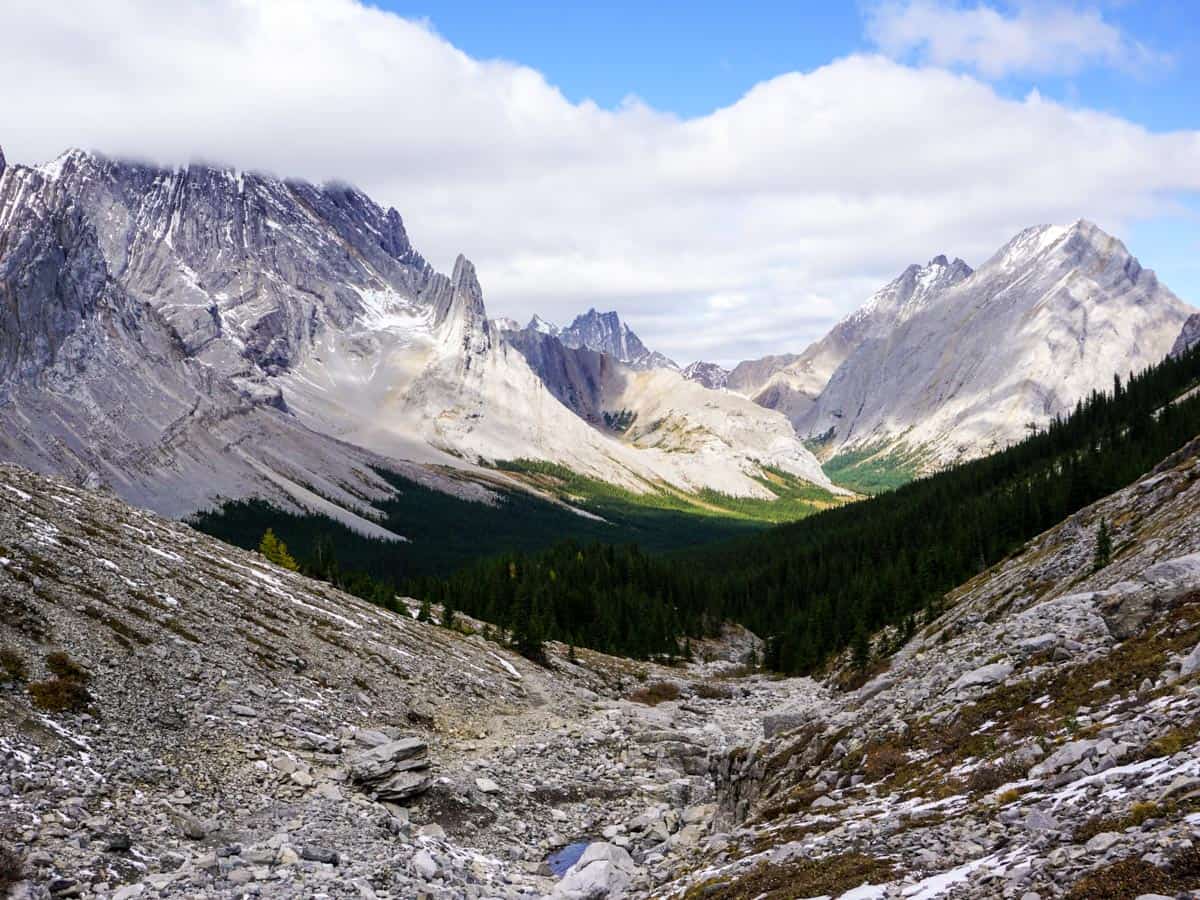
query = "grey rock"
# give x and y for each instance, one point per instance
(984, 675)
(324, 855)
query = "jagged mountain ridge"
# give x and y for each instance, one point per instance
(312, 300)
(791, 384)
(1052, 316)
(660, 410)
(606, 333)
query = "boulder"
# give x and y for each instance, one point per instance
(786, 718)
(1191, 663)
(603, 871)
(984, 675)
(1068, 755)
(396, 770)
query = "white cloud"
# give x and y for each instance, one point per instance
(1032, 38)
(800, 198)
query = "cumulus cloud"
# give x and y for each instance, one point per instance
(1034, 39)
(745, 231)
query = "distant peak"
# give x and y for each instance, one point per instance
(939, 260)
(537, 323)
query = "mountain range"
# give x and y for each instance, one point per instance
(200, 333)
(190, 335)
(946, 363)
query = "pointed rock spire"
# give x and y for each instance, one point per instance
(2, 163)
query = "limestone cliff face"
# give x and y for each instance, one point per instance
(1054, 315)
(1189, 335)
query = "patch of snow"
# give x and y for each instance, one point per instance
(507, 665)
(20, 493)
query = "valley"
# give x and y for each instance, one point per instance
(318, 581)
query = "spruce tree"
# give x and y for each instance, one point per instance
(1103, 547)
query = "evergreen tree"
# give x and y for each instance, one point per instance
(1103, 553)
(425, 613)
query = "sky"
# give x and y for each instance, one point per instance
(732, 178)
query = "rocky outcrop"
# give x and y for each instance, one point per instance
(712, 376)
(396, 770)
(1189, 335)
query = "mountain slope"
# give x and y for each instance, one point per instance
(682, 424)
(96, 384)
(306, 308)
(1052, 317)
(1189, 336)
(793, 387)
(1039, 737)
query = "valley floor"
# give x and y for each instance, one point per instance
(244, 731)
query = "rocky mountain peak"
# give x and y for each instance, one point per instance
(540, 325)
(604, 332)
(2, 161)
(711, 375)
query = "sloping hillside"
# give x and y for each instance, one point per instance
(1041, 736)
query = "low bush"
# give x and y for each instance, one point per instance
(655, 693)
(12, 666)
(11, 869)
(66, 668)
(60, 695)
(986, 779)
(713, 692)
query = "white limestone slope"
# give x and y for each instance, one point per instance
(793, 385)
(699, 430)
(1054, 315)
(456, 394)
(306, 312)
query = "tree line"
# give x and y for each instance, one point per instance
(824, 584)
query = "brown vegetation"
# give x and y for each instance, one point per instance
(832, 875)
(655, 693)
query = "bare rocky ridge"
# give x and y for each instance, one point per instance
(606, 333)
(711, 375)
(159, 324)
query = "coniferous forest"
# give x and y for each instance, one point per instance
(823, 584)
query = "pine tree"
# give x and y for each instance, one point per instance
(860, 648)
(1103, 547)
(276, 551)
(425, 614)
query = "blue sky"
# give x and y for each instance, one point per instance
(692, 58)
(733, 177)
